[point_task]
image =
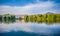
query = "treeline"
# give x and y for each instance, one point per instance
(7, 18)
(45, 18)
(39, 18)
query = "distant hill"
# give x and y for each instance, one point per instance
(49, 13)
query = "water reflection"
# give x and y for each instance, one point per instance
(46, 18)
(28, 26)
(25, 21)
(29, 29)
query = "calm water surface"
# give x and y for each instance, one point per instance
(21, 28)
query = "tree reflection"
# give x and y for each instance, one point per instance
(7, 18)
(45, 18)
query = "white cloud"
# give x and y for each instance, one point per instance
(13, 27)
(38, 8)
(30, 27)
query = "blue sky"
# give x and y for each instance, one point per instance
(29, 6)
(22, 7)
(24, 2)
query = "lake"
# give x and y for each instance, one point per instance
(21, 28)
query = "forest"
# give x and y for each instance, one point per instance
(37, 18)
(45, 18)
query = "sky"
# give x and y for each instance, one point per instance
(24, 7)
